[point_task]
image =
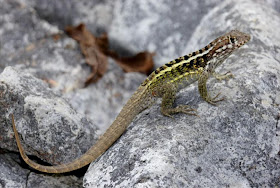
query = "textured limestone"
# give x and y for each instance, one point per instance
(233, 145)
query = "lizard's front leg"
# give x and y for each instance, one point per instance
(203, 89)
(168, 98)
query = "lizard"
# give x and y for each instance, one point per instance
(163, 83)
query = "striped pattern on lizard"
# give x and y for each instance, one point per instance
(163, 83)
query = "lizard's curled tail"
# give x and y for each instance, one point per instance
(117, 128)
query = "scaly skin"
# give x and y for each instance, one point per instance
(163, 83)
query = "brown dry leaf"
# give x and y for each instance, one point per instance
(96, 51)
(94, 56)
(141, 62)
(103, 43)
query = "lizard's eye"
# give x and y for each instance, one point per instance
(232, 39)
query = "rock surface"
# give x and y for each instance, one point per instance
(13, 175)
(41, 114)
(233, 145)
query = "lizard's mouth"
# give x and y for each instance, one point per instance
(243, 37)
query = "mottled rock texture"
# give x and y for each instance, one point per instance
(234, 144)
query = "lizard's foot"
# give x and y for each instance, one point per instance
(179, 109)
(225, 76)
(214, 100)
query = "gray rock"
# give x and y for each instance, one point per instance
(14, 176)
(101, 102)
(18, 23)
(42, 117)
(11, 174)
(233, 145)
(27, 42)
(132, 26)
(155, 26)
(43, 181)
(274, 4)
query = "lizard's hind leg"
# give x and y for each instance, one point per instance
(168, 99)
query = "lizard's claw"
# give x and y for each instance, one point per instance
(179, 109)
(214, 100)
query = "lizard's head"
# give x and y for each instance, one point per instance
(223, 46)
(227, 43)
